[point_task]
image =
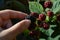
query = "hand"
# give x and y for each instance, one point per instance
(12, 31)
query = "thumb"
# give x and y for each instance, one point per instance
(8, 34)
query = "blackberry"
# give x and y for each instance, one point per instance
(40, 24)
(34, 14)
(46, 25)
(35, 33)
(32, 26)
(58, 17)
(48, 4)
(50, 13)
(42, 17)
(32, 18)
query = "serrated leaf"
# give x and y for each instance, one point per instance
(35, 7)
(56, 6)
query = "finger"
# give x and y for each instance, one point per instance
(7, 24)
(1, 22)
(15, 30)
(7, 14)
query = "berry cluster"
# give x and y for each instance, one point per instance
(39, 20)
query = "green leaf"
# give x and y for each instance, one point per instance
(54, 18)
(41, 39)
(57, 37)
(47, 9)
(56, 32)
(35, 7)
(56, 7)
(47, 18)
(26, 32)
(38, 1)
(49, 31)
(49, 38)
(53, 0)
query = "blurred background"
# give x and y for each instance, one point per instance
(21, 5)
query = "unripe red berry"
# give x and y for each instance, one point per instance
(46, 25)
(58, 17)
(34, 14)
(50, 13)
(42, 17)
(48, 4)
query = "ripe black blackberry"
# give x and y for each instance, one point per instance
(58, 17)
(34, 33)
(40, 23)
(32, 18)
(34, 14)
(32, 26)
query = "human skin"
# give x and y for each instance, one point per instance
(12, 31)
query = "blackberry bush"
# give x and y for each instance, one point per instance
(44, 25)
